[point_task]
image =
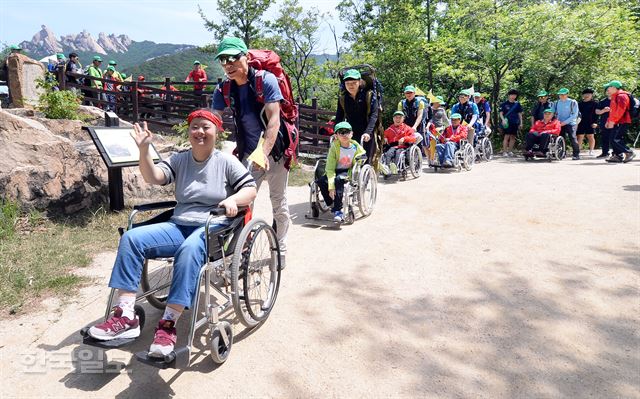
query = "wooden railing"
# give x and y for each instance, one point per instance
(155, 102)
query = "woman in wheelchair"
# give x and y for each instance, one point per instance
(449, 140)
(541, 132)
(343, 154)
(204, 178)
(397, 137)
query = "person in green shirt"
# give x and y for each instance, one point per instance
(95, 72)
(116, 75)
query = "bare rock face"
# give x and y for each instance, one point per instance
(52, 165)
(111, 43)
(23, 72)
(44, 41)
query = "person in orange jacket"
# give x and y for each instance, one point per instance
(619, 120)
(449, 139)
(397, 137)
(541, 132)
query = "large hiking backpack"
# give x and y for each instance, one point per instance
(634, 106)
(415, 107)
(267, 60)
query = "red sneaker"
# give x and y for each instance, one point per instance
(115, 327)
(164, 339)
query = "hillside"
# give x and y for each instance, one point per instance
(176, 66)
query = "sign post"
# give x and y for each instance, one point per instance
(118, 149)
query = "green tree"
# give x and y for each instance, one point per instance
(241, 18)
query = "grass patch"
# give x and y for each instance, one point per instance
(38, 256)
(301, 173)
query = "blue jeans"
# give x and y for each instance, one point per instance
(184, 243)
(445, 151)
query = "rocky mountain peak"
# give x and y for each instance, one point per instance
(45, 43)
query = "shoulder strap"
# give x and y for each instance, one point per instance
(226, 92)
(259, 86)
(341, 102)
(369, 98)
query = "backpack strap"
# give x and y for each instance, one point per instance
(341, 102)
(226, 92)
(259, 86)
(369, 98)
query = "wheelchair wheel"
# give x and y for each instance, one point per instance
(254, 273)
(313, 204)
(468, 157)
(415, 162)
(561, 150)
(367, 189)
(220, 349)
(156, 276)
(487, 149)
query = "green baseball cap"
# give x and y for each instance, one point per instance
(543, 93)
(439, 99)
(15, 47)
(614, 83)
(563, 90)
(196, 62)
(352, 74)
(342, 125)
(466, 92)
(111, 68)
(456, 116)
(60, 56)
(398, 113)
(97, 58)
(477, 94)
(549, 110)
(231, 46)
(112, 62)
(409, 89)
(124, 75)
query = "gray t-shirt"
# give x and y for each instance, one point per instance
(201, 186)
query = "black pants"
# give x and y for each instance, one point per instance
(569, 133)
(369, 146)
(617, 140)
(605, 139)
(323, 183)
(541, 139)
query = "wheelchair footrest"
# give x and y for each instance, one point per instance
(111, 344)
(179, 358)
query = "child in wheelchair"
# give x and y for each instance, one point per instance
(342, 156)
(449, 140)
(204, 178)
(397, 138)
(540, 134)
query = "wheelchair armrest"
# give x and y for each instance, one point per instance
(155, 205)
(221, 210)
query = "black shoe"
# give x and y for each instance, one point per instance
(602, 155)
(575, 157)
(628, 156)
(614, 159)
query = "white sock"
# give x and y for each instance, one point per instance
(171, 314)
(127, 302)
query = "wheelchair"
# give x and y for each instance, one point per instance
(409, 161)
(557, 150)
(482, 144)
(463, 158)
(361, 191)
(241, 272)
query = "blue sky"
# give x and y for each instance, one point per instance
(140, 19)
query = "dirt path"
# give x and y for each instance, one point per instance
(514, 280)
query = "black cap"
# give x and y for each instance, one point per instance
(587, 91)
(513, 91)
(73, 55)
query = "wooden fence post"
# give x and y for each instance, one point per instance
(314, 117)
(167, 97)
(62, 81)
(134, 101)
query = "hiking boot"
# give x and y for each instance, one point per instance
(117, 326)
(628, 156)
(338, 216)
(164, 339)
(614, 159)
(504, 154)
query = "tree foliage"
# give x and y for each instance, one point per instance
(241, 18)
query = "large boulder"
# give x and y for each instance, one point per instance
(52, 165)
(23, 73)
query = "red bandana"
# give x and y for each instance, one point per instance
(203, 113)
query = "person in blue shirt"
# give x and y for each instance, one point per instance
(511, 119)
(567, 111)
(469, 112)
(253, 120)
(484, 108)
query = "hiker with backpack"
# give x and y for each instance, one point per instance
(416, 111)
(259, 94)
(623, 106)
(359, 106)
(469, 112)
(567, 112)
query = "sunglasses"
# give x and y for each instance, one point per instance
(343, 132)
(225, 59)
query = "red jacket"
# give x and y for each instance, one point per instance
(459, 134)
(394, 133)
(552, 127)
(619, 108)
(198, 76)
